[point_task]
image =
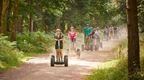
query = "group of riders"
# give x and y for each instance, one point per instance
(111, 32)
(91, 36)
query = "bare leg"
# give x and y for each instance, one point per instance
(86, 43)
(61, 55)
(57, 55)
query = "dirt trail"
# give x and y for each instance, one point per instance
(38, 68)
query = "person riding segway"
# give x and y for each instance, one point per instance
(96, 38)
(87, 38)
(59, 46)
(72, 34)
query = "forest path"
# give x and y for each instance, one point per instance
(38, 68)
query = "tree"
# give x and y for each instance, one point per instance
(14, 22)
(133, 38)
(31, 27)
(1, 6)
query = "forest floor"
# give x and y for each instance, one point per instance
(38, 68)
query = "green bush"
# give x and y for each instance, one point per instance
(34, 42)
(120, 72)
(9, 55)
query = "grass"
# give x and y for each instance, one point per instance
(21, 59)
(108, 64)
(117, 69)
(13, 54)
(113, 70)
(2, 67)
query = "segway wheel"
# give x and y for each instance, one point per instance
(66, 61)
(52, 60)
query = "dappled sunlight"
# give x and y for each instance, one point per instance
(37, 68)
(72, 61)
(68, 39)
(37, 60)
(76, 62)
(84, 63)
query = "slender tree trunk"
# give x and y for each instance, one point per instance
(1, 7)
(133, 38)
(19, 26)
(14, 22)
(4, 16)
(8, 16)
(46, 28)
(31, 27)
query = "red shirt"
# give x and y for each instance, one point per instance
(72, 35)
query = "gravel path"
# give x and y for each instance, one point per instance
(38, 68)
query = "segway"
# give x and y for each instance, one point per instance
(98, 44)
(89, 47)
(59, 62)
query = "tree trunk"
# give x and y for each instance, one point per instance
(31, 27)
(1, 7)
(46, 28)
(19, 27)
(133, 38)
(8, 17)
(5, 5)
(14, 21)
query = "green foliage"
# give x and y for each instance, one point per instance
(12, 53)
(95, 12)
(141, 14)
(119, 71)
(46, 15)
(142, 51)
(9, 55)
(34, 42)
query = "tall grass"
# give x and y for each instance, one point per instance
(27, 44)
(35, 42)
(9, 55)
(119, 71)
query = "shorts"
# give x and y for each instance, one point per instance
(57, 46)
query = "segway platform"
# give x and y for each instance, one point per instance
(65, 62)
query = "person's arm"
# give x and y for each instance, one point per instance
(55, 38)
(90, 32)
(61, 39)
(75, 34)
